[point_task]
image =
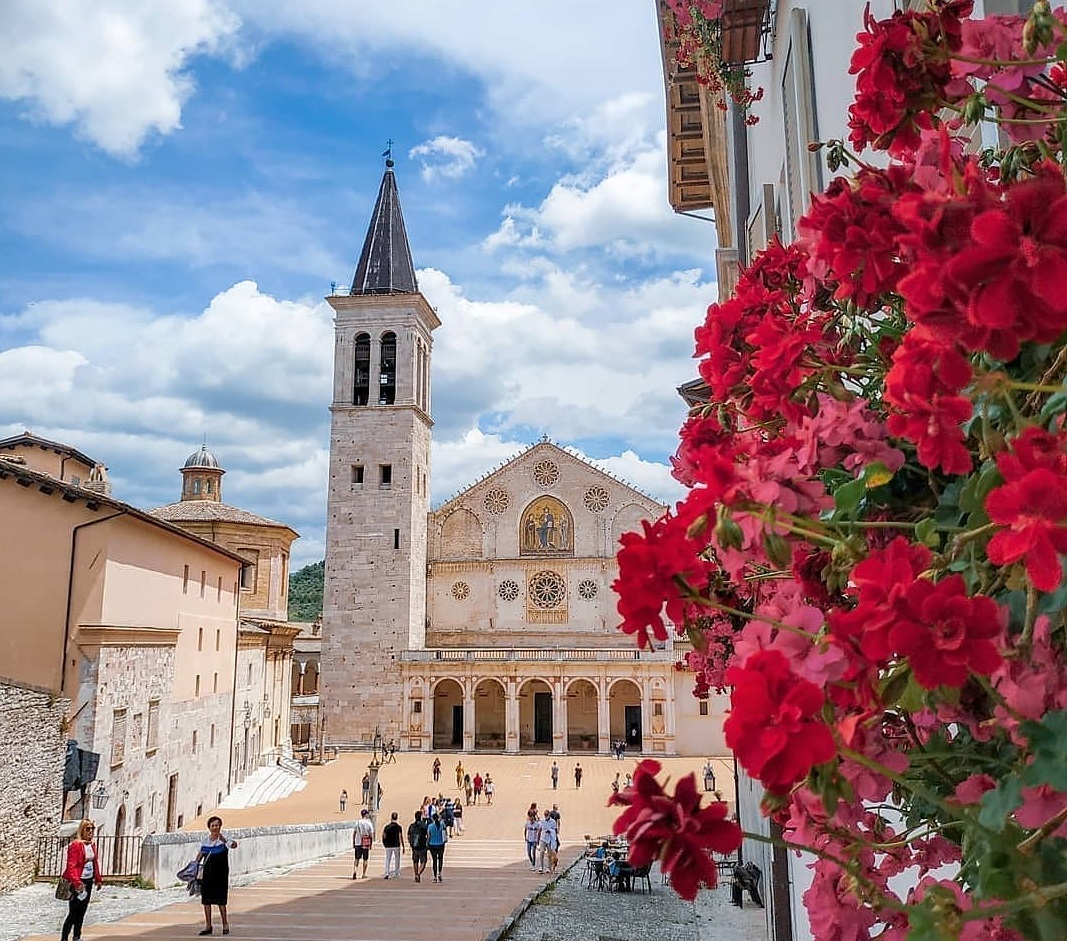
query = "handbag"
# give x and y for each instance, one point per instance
(366, 842)
(64, 890)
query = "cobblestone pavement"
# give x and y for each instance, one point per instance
(570, 909)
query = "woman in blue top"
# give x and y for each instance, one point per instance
(215, 882)
(437, 837)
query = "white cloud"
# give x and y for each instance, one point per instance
(623, 210)
(445, 157)
(116, 70)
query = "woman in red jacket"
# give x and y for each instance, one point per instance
(82, 872)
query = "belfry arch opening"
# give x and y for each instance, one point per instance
(361, 363)
(387, 375)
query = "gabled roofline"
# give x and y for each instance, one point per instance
(70, 493)
(46, 444)
(581, 459)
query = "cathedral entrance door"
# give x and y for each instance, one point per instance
(457, 725)
(633, 726)
(542, 718)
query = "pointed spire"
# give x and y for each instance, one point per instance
(385, 265)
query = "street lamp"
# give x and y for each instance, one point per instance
(372, 771)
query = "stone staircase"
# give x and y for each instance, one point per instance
(267, 784)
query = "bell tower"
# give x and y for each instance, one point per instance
(374, 599)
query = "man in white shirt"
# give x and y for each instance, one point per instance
(362, 840)
(549, 843)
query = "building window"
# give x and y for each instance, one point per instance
(152, 740)
(703, 703)
(203, 582)
(250, 571)
(416, 706)
(211, 740)
(138, 817)
(196, 486)
(185, 581)
(250, 676)
(218, 639)
(199, 639)
(137, 729)
(200, 810)
(357, 475)
(657, 708)
(396, 538)
(385, 476)
(215, 683)
(194, 752)
(118, 737)
(387, 378)
(218, 594)
(361, 386)
(196, 689)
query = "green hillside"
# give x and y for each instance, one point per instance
(305, 592)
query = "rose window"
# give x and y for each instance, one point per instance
(509, 590)
(547, 590)
(546, 473)
(587, 589)
(496, 501)
(461, 591)
(596, 498)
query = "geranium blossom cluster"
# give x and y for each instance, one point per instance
(870, 555)
(697, 29)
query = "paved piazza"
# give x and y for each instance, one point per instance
(486, 876)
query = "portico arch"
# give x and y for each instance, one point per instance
(536, 709)
(624, 705)
(582, 715)
(489, 715)
(447, 714)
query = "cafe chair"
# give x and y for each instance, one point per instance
(641, 876)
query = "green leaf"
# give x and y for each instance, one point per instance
(926, 532)
(998, 804)
(876, 475)
(847, 498)
(1048, 743)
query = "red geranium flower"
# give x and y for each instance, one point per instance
(675, 830)
(774, 727)
(1034, 508)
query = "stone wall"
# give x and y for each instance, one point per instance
(32, 750)
(258, 848)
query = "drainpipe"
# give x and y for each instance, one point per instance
(70, 590)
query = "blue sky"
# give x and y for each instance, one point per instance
(180, 183)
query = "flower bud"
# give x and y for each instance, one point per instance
(777, 548)
(727, 533)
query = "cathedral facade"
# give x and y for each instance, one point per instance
(488, 623)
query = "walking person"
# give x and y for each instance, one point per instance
(578, 775)
(532, 834)
(459, 773)
(448, 816)
(343, 800)
(555, 775)
(477, 782)
(393, 843)
(215, 882)
(417, 841)
(82, 871)
(547, 843)
(468, 788)
(392, 751)
(436, 770)
(362, 841)
(457, 813)
(489, 789)
(436, 838)
(366, 789)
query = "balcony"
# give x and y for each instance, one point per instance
(745, 24)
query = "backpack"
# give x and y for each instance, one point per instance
(417, 836)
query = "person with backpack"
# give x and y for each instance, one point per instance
(362, 840)
(448, 815)
(417, 841)
(436, 838)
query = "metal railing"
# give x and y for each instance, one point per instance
(538, 654)
(120, 856)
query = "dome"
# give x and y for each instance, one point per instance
(202, 458)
